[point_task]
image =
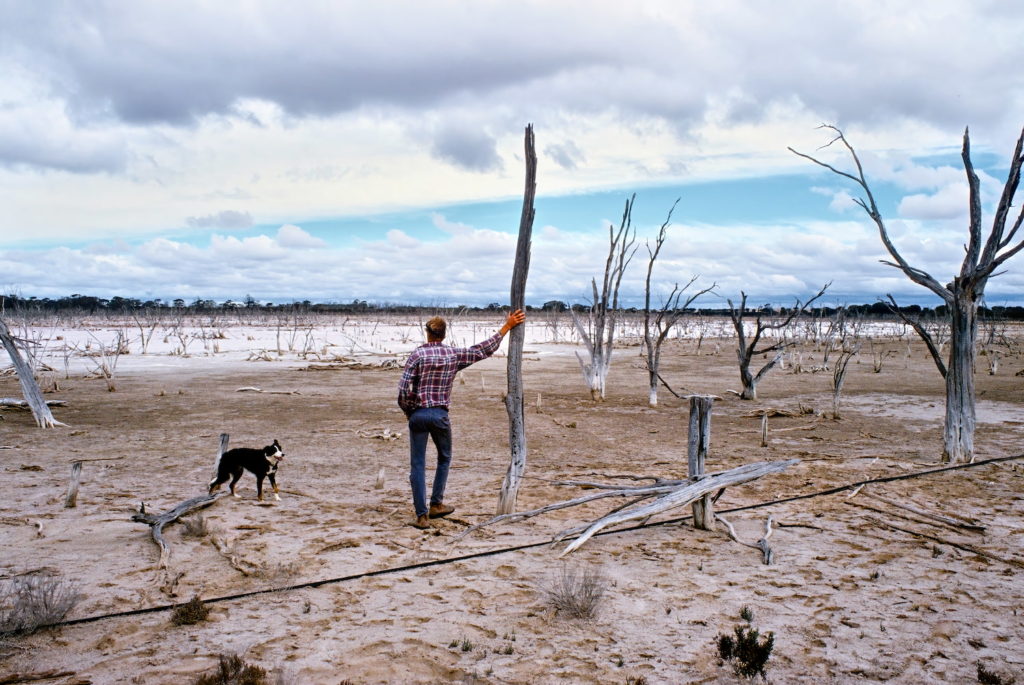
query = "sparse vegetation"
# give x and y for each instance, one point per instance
(231, 670)
(194, 526)
(576, 593)
(190, 613)
(987, 677)
(28, 603)
(746, 651)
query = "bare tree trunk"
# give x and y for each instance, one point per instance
(958, 433)
(983, 255)
(598, 332)
(514, 401)
(33, 395)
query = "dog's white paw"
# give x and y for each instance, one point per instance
(277, 497)
(236, 495)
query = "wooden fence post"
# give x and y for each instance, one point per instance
(697, 451)
(71, 499)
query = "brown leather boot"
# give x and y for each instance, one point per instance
(438, 511)
(421, 522)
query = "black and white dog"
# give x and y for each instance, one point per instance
(261, 463)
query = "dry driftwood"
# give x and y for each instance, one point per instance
(767, 554)
(71, 499)
(33, 395)
(945, 520)
(678, 498)
(157, 523)
(958, 545)
(13, 678)
(22, 404)
(669, 494)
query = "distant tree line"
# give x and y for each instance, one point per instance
(89, 304)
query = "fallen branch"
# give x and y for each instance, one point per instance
(945, 520)
(767, 555)
(23, 404)
(669, 494)
(14, 678)
(964, 547)
(678, 498)
(157, 523)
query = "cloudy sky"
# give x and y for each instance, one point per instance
(349, 150)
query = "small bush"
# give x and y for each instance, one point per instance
(747, 614)
(195, 526)
(987, 677)
(190, 613)
(576, 593)
(28, 603)
(747, 652)
(231, 670)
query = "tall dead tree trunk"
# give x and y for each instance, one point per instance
(747, 345)
(658, 323)
(33, 395)
(514, 397)
(964, 293)
(598, 331)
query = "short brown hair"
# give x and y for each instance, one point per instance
(437, 327)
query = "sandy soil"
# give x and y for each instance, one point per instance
(849, 598)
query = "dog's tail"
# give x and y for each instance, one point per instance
(220, 454)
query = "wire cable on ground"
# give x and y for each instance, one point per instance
(518, 548)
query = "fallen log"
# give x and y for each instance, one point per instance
(680, 497)
(670, 494)
(23, 404)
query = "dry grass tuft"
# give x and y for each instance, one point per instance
(231, 670)
(576, 593)
(28, 603)
(194, 526)
(190, 613)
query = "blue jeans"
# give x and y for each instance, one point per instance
(432, 422)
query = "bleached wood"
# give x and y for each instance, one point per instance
(514, 399)
(678, 497)
(157, 523)
(15, 402)
(946, 520)
(33, 395)
(71, 499)
(697, 444)
(767, 554)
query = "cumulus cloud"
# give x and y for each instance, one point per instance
(950, 202)
(294, 237)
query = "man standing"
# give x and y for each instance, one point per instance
(424, 394)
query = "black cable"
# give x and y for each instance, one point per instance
(517, 548)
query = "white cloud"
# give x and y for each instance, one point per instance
(292, 236)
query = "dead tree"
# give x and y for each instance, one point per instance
(747, 347)
(598, 331)
(658, 323)
(517, 336)
(964, 293)
(33, 395)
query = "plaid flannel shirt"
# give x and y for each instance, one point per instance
(430, 371)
